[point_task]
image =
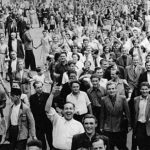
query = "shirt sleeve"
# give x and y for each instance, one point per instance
(87, 100)
(52, 115)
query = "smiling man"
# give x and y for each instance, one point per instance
(64, 128)
(84, 140)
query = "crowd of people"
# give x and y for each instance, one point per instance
(93, 85)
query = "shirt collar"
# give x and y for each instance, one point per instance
(141, 98)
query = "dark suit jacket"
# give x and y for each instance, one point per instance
(111, 116)
(11, 29)
(133, 77)
(37, 105)
(26, 123)
(143, 78)
(147, 113)
(120, 61)
(82, 141)
(20, 52)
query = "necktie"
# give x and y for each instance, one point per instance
(95, 62)
(124, 60)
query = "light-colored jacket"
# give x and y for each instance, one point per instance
(26, 123)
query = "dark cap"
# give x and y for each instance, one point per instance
(16, 91)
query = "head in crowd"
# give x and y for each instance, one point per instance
(13, 55)
(34, 145)
(38, 86)
(111, 88)
(95, 80)
(144, 89)
(90, 123)
(75, 87)
(15, 95)
(99, 71)
(100, 142)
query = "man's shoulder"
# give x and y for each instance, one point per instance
(79, 136)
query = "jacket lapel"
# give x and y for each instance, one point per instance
(20, 111)
(147, 106)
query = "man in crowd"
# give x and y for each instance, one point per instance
(142, 115)
(95, 93)
(84, 140)
(42, 123)
(64, 128)
(113, 107)
(80, 100)
(20, 122)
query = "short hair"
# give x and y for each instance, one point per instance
(75, 81)
(71, 71)
(85, 39)
(110, 83)
(144, 84)
(36, 143)
(63, 53)
(86, 62)
(89, 116)
(103, 60)
(76, 55)
(37, 82)
(94, 76)
(101, 137)
(70, 103)
(97, 68)
(70, 62)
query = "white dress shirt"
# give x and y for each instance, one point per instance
(81, 101)
(142, 109)
(14, 45)
(14, 65)
(103, 82)
(14, 114)
(63, 130)
(148, 77)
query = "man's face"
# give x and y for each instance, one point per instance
(15, 98)
(72, 77)
(90, 125)
(124, 51)
(13, 55)
(144, 91)
(75, 87)
(68, 111)
(39, 88)
(148, 66)
(99, 72)
(13, 36)
(135, 61)
(20, 65)
(63, 57)
(72, 67)
(111, 89)
(113, 74)
(99, 145)
(95, 82)
(105, 64)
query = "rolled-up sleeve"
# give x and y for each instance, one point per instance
(52, 115)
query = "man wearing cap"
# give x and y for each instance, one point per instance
(21, 123)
